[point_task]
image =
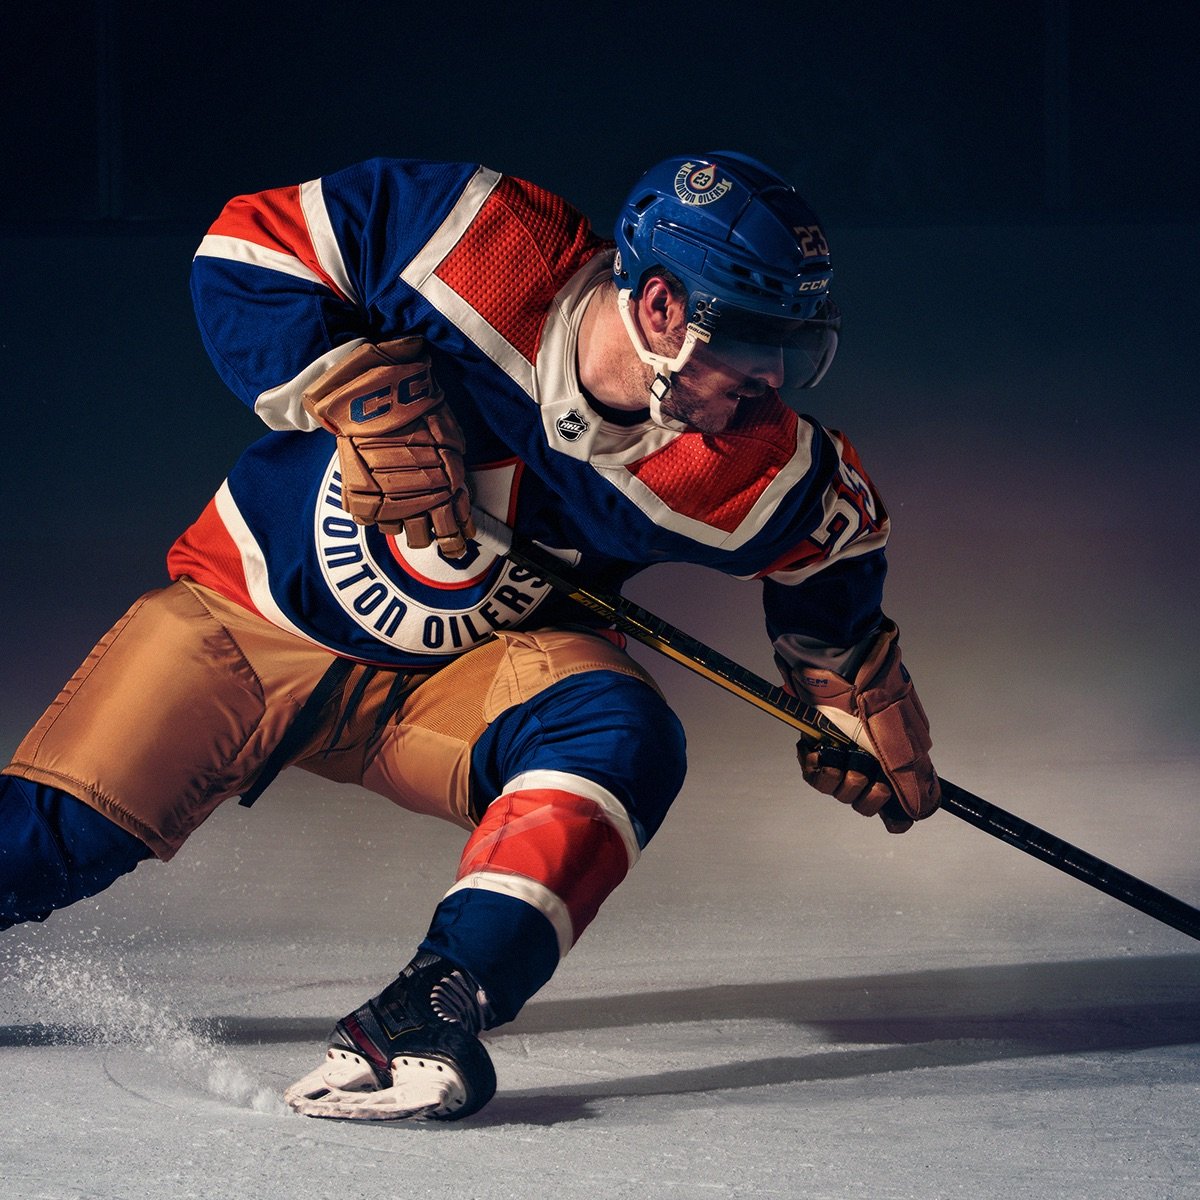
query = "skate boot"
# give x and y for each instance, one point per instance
(410, 1052)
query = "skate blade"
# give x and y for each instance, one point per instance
(345, 1088)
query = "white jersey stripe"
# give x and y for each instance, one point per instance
(419, 274)
(282, 407)
(497, 347)
(466, 208)
(254, 565)
(562, 781)
(535, 894)
(320, 230)
(239, 250)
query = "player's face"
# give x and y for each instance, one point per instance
(709, 391)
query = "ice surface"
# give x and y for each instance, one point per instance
(781, 1001)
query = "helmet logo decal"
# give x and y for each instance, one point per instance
(571, 427)
(698, 183)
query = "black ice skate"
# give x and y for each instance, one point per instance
(411, 1051)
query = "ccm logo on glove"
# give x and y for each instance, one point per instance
(400, 448)
(363, 410)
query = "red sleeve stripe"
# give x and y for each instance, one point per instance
(283, 229)
(810, 556)
(854, 521)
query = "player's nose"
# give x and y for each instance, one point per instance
(768, 369)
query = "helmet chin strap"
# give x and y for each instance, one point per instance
(665, 369)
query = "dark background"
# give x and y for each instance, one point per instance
(154, 114)
(1012, 195)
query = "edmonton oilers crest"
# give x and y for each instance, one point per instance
(571, 427)
(699, 183)
(412, 598)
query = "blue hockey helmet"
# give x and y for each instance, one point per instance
(749, 251)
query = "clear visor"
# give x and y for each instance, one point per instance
(788, 355)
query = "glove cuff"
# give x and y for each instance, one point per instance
(820, 686)
(896, 723)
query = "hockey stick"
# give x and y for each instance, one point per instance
(656, 633)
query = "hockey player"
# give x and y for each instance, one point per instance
(421, 338)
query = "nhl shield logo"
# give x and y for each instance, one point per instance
(571, 427)
(700, 183)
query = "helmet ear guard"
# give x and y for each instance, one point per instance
(665, 369)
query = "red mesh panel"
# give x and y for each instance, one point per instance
(718, 478)
(519, 251)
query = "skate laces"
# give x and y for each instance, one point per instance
(455, 996)
(426, 997)
(454, 999)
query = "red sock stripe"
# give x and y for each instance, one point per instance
(563, 841)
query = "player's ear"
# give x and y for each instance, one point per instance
(660, 309)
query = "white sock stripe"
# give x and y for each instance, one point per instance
(577, 785)
(535, 894)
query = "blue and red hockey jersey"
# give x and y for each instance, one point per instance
(495, 273)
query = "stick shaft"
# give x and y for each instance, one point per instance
(659, 635)
(651, 630)
(1071, 859)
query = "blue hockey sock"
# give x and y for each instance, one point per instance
(55, 850)
(482, 929)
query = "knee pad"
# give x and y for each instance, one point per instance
(611, 729)
(55, 850)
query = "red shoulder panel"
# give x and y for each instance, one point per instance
(517, 254)
(275, 220)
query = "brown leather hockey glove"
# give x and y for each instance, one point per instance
(888, 720)
(399, 446)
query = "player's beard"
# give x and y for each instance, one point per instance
(701, 411)
(704, 411)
